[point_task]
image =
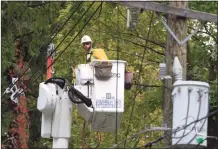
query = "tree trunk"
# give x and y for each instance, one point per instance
(20, 129)
(22, 120)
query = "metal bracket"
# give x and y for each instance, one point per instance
(174, 36)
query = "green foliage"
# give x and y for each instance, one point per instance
(213, 94)
(108, 31)
(205, 6)
(5, 124)
(32, 25)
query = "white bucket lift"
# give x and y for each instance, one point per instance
(190, 103)
(105, 95)
(56, 110)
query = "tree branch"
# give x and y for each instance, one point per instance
(151, 49)
(138, 36)
(38, 5)
(159, 44)
(209, 33)
(136, 135)
(147, 85)
(26, 34)
(127, 53)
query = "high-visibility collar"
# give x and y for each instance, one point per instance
(89, 56)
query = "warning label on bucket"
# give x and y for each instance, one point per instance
(111, 103)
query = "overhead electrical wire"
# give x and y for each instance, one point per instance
(184, 127)
(200, 97)
(63, 40)
(49, 66)
(98, 135)
(52, 38)
(153, 42)
(71, 41)
(200, 100)
(127, 40)
(186, 118)
(149, 144)
(193, 129)
(132, 54)
(145, 130)
(199, 108)
(140, 70)
(131, 34)
(117, 48)
(60, 43)
(196, 133)
(153, 142)
(126, 20)
(67, 45)
(178, 129)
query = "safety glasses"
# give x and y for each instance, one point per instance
(86, 43)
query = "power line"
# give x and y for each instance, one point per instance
(186, 116)
(196, 134)
(149, 48)
(67, 45)
(71, 40)
(153, 42)
(199, 108)
(117, 40)
(131, 114)
(59, 43)
(190, 132)
(127, 40)
(133, 54)
(53, 61)
(130, 22)
(183, 127)
(146, 130)
(63, 40)
(179, 129)
(52, 38)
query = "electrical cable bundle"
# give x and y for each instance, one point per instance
(72, 93)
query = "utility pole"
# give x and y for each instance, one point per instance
(176, 45)
(179, 26)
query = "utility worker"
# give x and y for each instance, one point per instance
(91, 53)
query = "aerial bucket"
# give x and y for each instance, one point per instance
(107, 95)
